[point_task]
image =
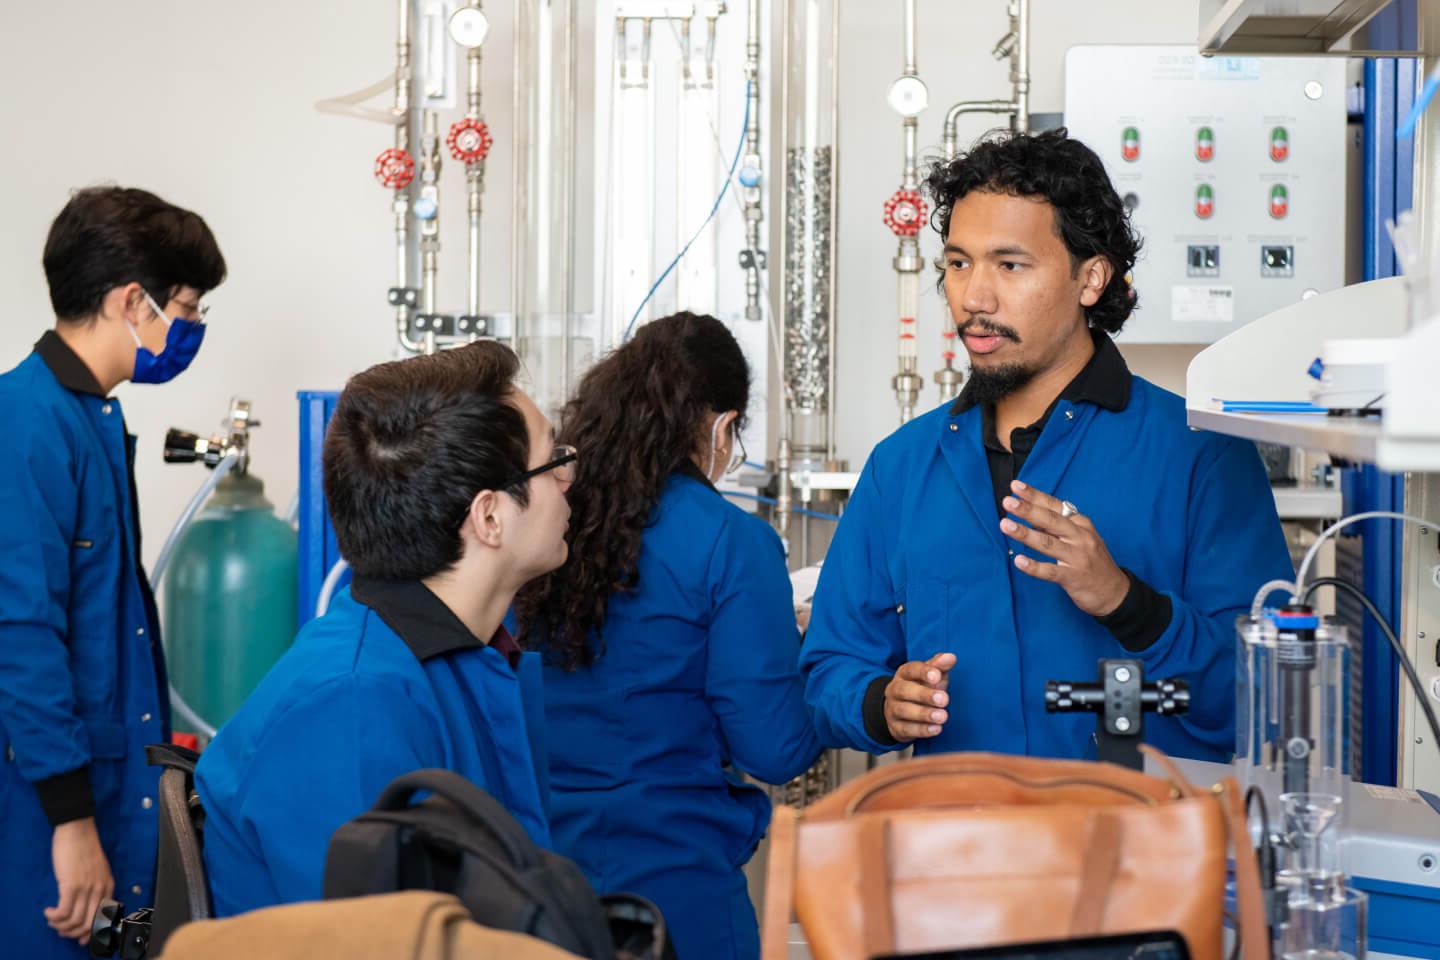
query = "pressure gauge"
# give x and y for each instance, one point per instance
(908, 96)
(468, 27)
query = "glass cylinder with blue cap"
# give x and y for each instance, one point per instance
(1294, 714)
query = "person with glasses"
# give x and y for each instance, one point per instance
(446, 491)
(82, 671)
(670, 640)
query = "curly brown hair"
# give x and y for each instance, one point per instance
(1089, 215)
(638, 415)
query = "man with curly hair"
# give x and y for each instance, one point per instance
(1058, 513)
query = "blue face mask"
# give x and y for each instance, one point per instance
(182, 341)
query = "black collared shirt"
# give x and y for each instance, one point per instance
(1104, 381)
(66, 365)
(429, 628)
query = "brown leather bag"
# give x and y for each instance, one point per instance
(959, 851)
(414, 925)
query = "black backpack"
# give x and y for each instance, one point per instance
(460, 840)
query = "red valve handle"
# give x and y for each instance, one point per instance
(394, 168)
(905, 211)
(469, 140)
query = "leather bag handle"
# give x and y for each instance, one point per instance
(780, 885)
(1254, 930)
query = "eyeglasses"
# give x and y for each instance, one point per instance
(738, 460)
(563, 460)
(195, 312)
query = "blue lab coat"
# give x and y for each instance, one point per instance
(350, 707)
(697, 672)
(81, 670)
(919, 566)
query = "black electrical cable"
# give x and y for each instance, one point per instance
(1254, 795)
(1400, 654)
(1265, 857)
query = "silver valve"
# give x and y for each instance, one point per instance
(182, 446)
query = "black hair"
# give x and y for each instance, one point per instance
(639, 414)
(106, 237)
(1090, 217)
(410, 445)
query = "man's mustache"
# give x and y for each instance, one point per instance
(986, 328)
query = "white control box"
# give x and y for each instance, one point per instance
(1234, 171)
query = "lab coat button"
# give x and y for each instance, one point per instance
(900, 608)
(139, 631)
(954, 427)
(1069, 414)
(105, 409)
(147, 803)
(135, 889)
(144, 718)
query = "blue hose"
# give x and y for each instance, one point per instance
(710, 216)
(833, 517)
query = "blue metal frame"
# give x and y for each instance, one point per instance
(1388, 178)
(318, 550)
(1402, 917)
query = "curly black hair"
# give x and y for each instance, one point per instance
(1089, 216)
(638, 415)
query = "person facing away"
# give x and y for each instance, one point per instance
(1058, 512)
(83, 687)
(669, 639)
(447, 493)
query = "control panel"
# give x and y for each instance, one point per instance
(1233, 170)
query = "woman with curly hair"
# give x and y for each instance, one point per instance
(670, 640)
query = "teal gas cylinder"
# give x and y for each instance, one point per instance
(229, 599)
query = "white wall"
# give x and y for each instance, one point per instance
(954, 60)
(211, 105)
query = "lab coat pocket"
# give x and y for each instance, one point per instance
(94, 554)
(925, 618)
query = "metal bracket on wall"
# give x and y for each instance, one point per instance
(446, 325)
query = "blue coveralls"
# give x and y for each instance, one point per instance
(697, 673)
(919, 566)
(350, 707)
(82, 673)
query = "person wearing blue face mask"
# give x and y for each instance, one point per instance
(183, 337)
(82, 673)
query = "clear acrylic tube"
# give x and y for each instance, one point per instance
(909, 307)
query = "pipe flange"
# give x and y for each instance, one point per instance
(908, 263)
(907, 383)
(395, 168)
(905, 211)
(949, 377)
(469, 140)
